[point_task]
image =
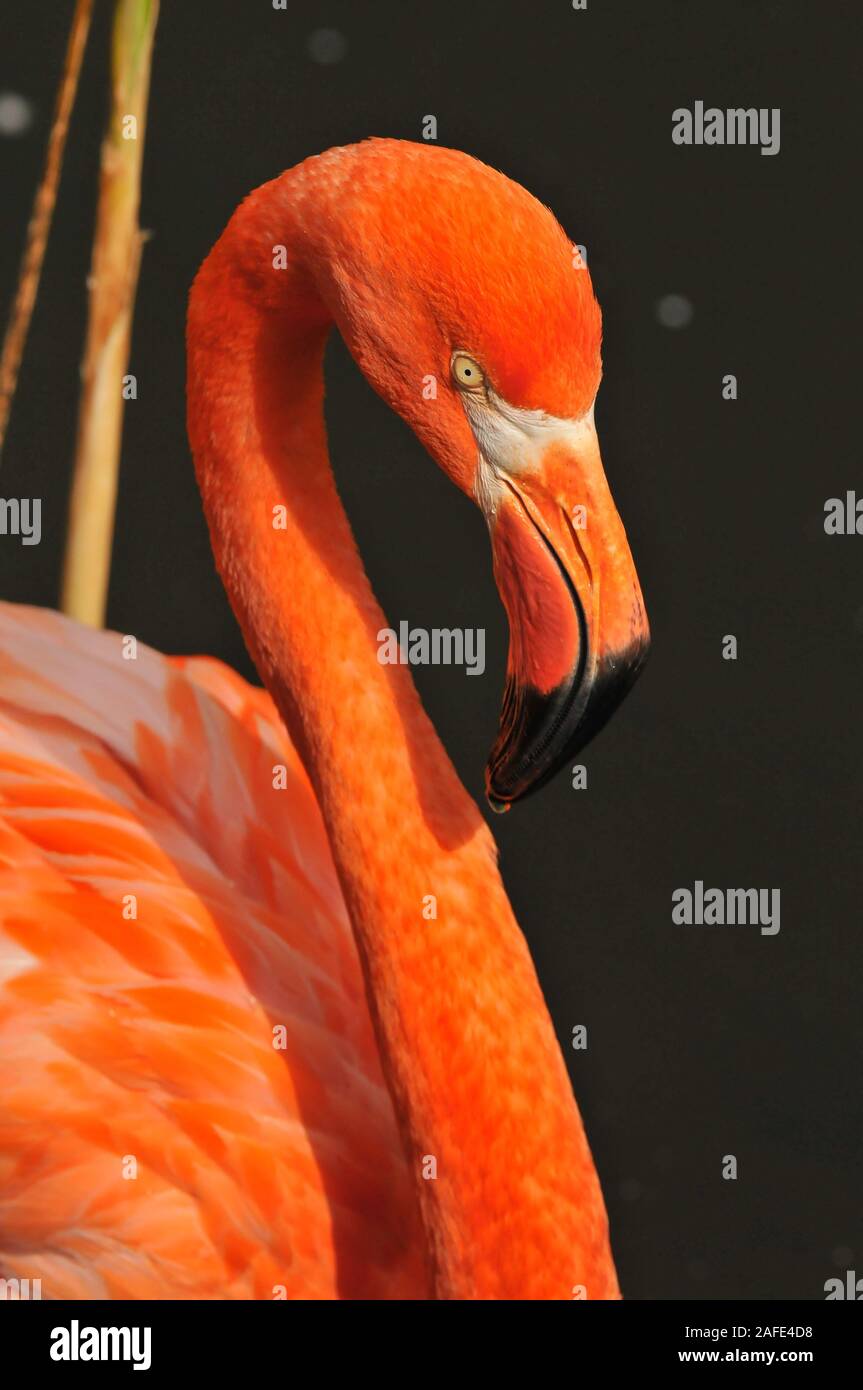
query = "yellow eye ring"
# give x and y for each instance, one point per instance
(467, 373)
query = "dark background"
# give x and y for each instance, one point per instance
(702, 1041)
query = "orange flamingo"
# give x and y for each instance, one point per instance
(240, 1058)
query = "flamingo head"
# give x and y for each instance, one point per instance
(473, 315)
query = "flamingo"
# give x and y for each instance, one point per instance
(269, 1028)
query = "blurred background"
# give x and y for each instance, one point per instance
(704, 1041)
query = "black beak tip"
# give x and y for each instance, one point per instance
(541, 733)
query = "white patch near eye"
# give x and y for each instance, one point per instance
(512, 441)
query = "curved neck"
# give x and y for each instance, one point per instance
(508, 1195)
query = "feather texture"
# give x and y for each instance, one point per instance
(145, 1044)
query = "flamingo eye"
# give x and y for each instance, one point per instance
(466, 372)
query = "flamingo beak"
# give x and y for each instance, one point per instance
(578, 629)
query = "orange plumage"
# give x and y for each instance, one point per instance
(166, 910)
(152, 1036)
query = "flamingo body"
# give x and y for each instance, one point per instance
(240, 1059)
(260, 1168)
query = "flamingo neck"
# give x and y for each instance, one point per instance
(507, 1191)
